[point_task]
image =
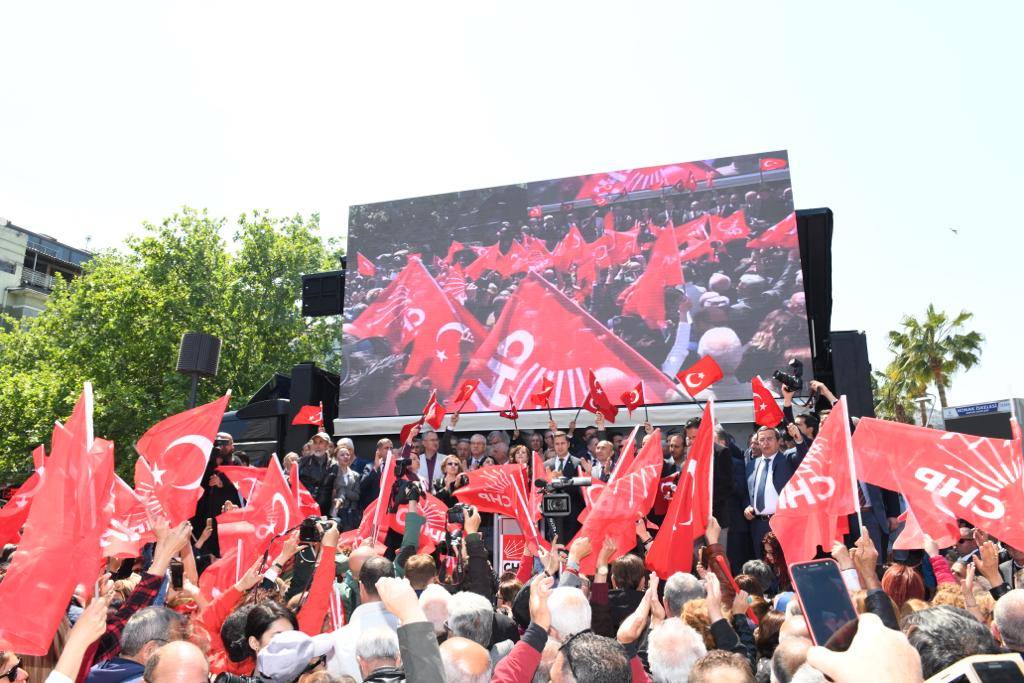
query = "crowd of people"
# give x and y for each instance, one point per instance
(743, 306)
(322, 611)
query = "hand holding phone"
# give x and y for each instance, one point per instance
(823, 598)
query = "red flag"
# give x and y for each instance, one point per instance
(177, 449)
(608, 221)
(523, 348)
(698, 251)
(61, 544)
(569, 250)
(310, 415)
(414, 309)
(510, 413)
(454, 248)
(733, 227)
(434, 412)
(433, 531)
(692, 232)
(597, 401)
(772, 164)
(129, 529)
(364, 266)
(782, 235)
(542, 399)
(403, 436)
(634, 398)
(500, 489)
(15, 511)
(535, 212)
(912, 536)
(700, 375)
(946, 476)
(454, 284)
(260, 525)
(615, 247)
(246, 479)
(302, 499)
(490, 258)
(822, 491)
(766, 411)
(465, 392)
(646, 296)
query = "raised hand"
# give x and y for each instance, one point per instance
(540, 591)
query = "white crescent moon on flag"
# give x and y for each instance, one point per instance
(693, 385)
(415, 317)
(279, 498)
(458, 327)
(204, 445)
(634, 396)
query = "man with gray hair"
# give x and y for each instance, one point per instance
(471, 616)
(144, 633)
(1009, 620)
(378, 656)
(680, 589)
(760, 570)
(672, 650)
(434, 600)
(570, 612)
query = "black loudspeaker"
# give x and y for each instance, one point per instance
(323, 293)
(199, 354)
(851, 372)
(814, 228)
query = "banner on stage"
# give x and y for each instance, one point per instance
(509, 544)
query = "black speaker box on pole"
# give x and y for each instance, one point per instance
(323, 293)
(198, 356)
(851, 372)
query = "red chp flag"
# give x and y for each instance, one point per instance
(912, 536)
(61, 544)
(454, 284)
(310, 415)
(646, 297)
(634, 398)
(570, 250)
(814, 503)
(732, 227)
(490, 258)
(524, 348)
(782, 235)
(434, 412)
(597, 401)
(766, 411)
(772, 164)
(500, 489)
(464, 393)
(176, 449)
(364, 266)
(945, 476)
(129, 529)
(15, 511)
(542, 399)
(700, 376)
(414, 310)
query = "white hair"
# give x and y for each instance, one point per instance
(672, 650)
(434, 600)
(724, 345)
(347, 443)
(808, 674)
(471, 616)
(570, 611)
(377, 643)
(680, 589)
(1009, 618)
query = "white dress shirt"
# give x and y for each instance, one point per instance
(771, 496)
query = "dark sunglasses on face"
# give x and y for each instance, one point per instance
(12, 673)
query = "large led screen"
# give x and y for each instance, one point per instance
(633, 274)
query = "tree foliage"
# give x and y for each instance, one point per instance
(120, 323)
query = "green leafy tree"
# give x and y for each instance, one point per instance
(120, 323)
(932, 350)
(894, 395)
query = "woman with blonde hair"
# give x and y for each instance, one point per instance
(454, 471)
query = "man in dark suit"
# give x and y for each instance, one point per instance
(722, 483)
(567, 465)
(766, 477)
(1012, 568)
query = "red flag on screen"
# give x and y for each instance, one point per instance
(535, 212)
(732, 227)
(698, 251)
(15, 511)
(454, 248)
(454, 284)
(700, 375)
(414, 309)
(364, 266)
(177, 449)
(569, 250)
(60, 547)
(772, 164)
(692, 232)
(490, 258)
(634, 398)
(538, 257)
(782, 235)
(510, 413)
(310, 415)
(646, 297)
(944, 476)
(615, 247)
(434, 412)
(821, 492)
(766, 411)
(542, 399)
(465, 392)
(244, 478)
(524, 347)
(608, 221)
(597, 400)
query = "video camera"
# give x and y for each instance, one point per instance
(794, 381)
(457, 513)
(311, 529)
(404, 489)
(555, 502)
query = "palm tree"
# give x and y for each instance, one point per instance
(932, 350)
(894, 395)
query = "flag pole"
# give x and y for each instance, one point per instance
(852, 463)
(551, 417)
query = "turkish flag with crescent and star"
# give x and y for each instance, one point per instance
(542, 399)
(364, 266)
(260, 525)
(414, 310)
(176, 450)
(597, 400)
(510, 413)
(464, 393)
(814, 504)
(634, 398)
(766, 411)
(244, 478)
(490, 258)
(310, 415)
(772, 164)
(542, 334)
(15, 511)
(615, 247)
(646, 296)
(434, 412)
(782, 235)
(700, 375)
(570, 250)
(946, 476)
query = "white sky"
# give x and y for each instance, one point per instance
(904, 118)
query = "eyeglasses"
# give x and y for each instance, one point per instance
(12, 673)
(451, 464)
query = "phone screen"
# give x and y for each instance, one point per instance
(998, 672)
(823, 597)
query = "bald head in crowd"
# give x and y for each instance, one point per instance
(1009, 620)
(724, 345)
(356, 559)
(177, 662)
(465, 661)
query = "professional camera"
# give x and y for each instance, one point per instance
(457, 513)
(402, 466)
(407, 490)
(793, 381)
(555, 502)
(312, 529)
(225, 677)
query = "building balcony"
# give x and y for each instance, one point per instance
(37, 280)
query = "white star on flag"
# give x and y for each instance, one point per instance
(442, 356)
(158, 475)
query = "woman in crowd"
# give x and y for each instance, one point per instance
(445, 487)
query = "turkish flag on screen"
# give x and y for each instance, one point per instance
(364, 266)
(821, 492)
(542, 398)
(634, 398)
(615, 247)
(766, 411)
(465, 392)
(177, 449)
(413, 309)
(946, 476)
(700, 375)
(525, 347)
(646, 296)
(490, 258)
(732, 227)
(570, 250)
(597, 400)
(772, 164)
(310, 415)
(782, 235)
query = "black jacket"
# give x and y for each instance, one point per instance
(386, 674)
